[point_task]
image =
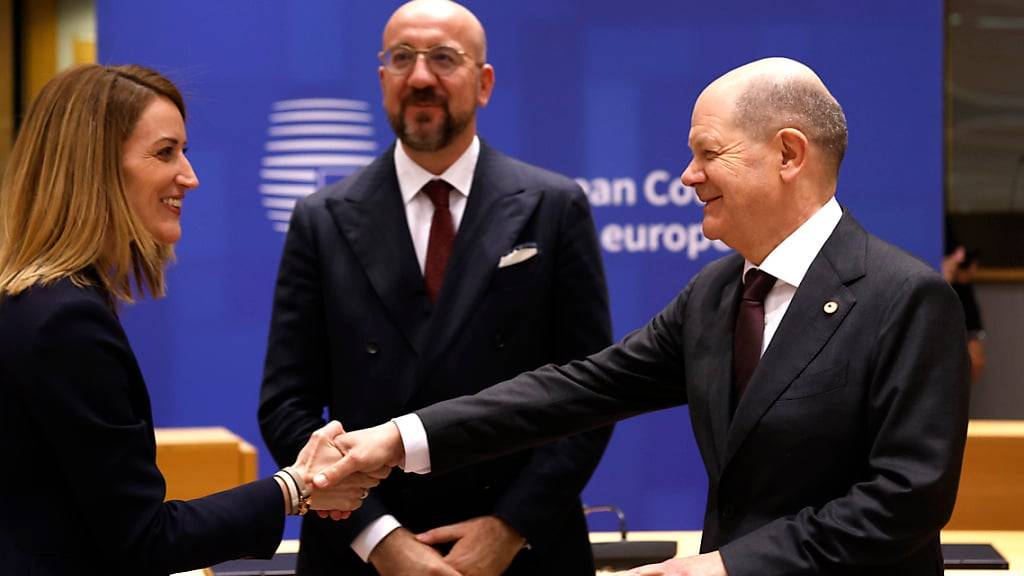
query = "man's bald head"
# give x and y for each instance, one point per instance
(777, 93)
(767, 139)
(457, 16)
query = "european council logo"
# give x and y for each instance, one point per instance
(312, 142)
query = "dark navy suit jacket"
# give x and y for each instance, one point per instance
(354, 331)
(81, 493)
(842, 457)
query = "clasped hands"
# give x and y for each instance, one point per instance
(338, 499)
(343, 465)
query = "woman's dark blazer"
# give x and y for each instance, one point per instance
(81, 493)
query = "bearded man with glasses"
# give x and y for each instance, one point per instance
(441, 268)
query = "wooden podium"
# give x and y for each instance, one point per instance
(197, 462)
(991, 495)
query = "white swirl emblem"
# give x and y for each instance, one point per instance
(311, 143)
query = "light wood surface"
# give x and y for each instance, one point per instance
(999, 275)
(197, 462)
(991, 495)
(1009, 543)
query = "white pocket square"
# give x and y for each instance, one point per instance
(520, 253)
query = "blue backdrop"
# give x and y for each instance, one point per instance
(599, 90)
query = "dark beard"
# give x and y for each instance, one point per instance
(433, 140)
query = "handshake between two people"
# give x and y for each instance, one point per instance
(342, 467)
(340, 463)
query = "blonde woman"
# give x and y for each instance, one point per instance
(90, 208)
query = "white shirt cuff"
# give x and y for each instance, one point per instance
(414, 440)
(376, 531)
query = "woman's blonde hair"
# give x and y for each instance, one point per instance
(63, 208)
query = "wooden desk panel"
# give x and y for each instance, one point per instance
(1010, 544)
(991, 495)
(197, 462)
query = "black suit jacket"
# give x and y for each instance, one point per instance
(353, 330)
(81, 493)
(843, 456)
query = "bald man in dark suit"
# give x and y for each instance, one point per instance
(441, 268)
(824, 369)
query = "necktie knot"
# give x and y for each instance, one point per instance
(438, 192)
(756, 285)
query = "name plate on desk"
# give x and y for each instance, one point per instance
(972, 557)
(627, 554)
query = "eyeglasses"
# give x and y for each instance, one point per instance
(442, 60)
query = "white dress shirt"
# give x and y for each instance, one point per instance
(789, 262)
(419, 211)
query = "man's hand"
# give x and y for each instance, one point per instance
(339, 500)
(400, 554)
(343, 497)
(362, 451)
(951, 264)
(484, 546)
(702, 565)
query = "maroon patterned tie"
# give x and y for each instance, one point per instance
(442, 236)
(750, 327)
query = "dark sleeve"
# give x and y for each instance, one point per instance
(87, 389)
(642, 373)
(548, 487)
(296, 375)
(916, 432)
(972, 315)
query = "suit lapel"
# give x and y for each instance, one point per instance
(372, 219)
(719, 376)
(495, 214)
(805, 328)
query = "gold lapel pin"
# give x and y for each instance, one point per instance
(830, 307)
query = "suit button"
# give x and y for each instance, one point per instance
(499, 341)
(372, 348)
(728, 511)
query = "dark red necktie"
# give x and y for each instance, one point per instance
(750, 327)
(442, 236)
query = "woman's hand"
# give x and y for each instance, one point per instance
(319, 451)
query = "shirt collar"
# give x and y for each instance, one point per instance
(790, 260)
(412, 177)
